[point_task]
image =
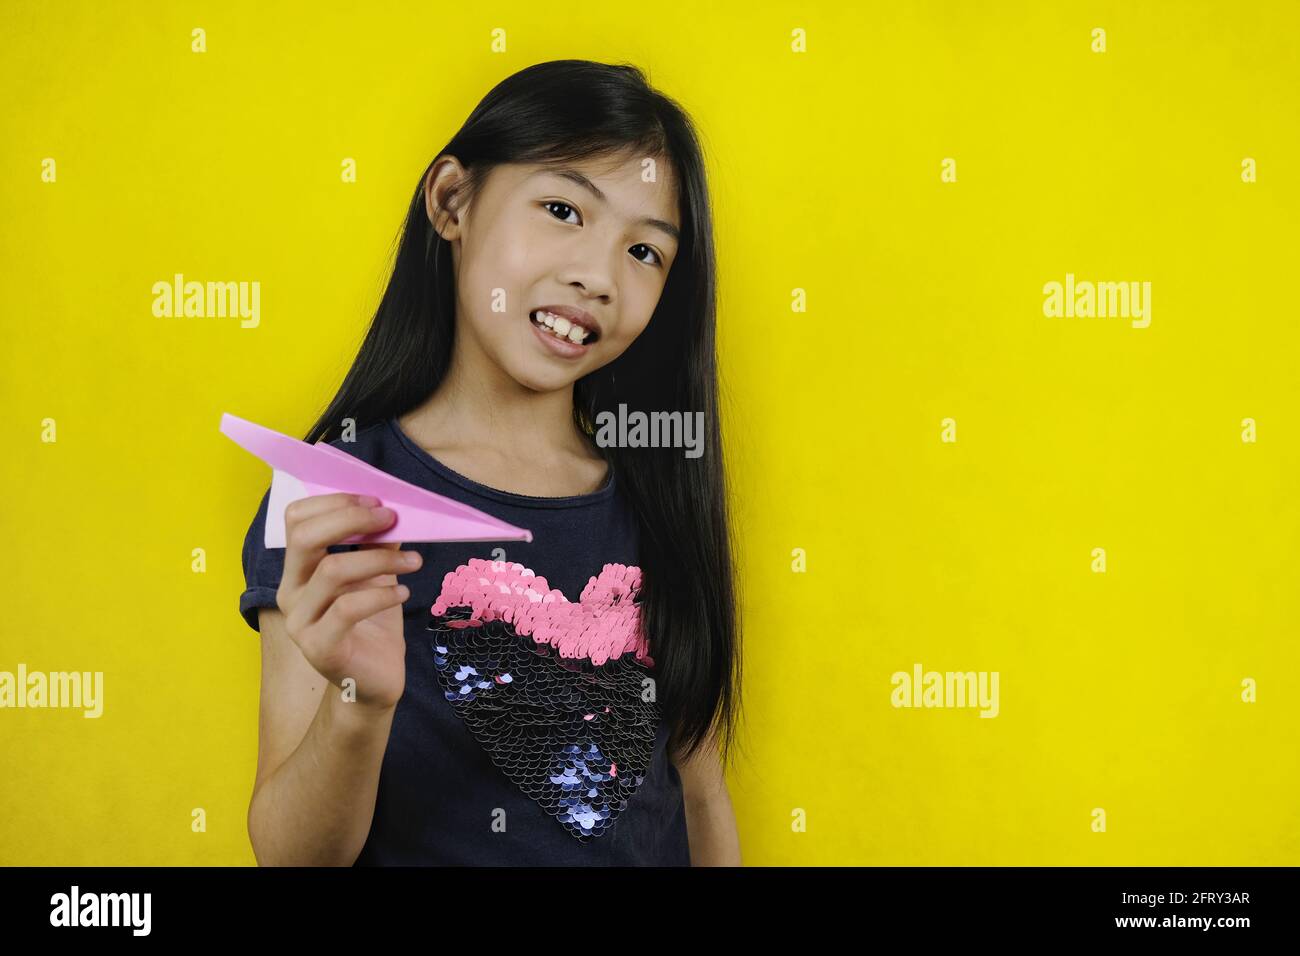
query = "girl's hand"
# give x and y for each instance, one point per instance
(344, 610)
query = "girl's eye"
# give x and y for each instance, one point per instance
(554, 202)
(657, 260)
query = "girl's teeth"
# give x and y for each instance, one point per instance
(562, 327)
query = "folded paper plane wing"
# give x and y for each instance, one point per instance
(300, 470)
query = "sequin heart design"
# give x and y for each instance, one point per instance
(553, 690)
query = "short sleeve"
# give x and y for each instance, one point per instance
(263, 568)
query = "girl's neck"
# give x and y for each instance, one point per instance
(490, 428)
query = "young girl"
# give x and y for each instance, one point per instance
(556, 262)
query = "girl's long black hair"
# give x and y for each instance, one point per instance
(558, 112)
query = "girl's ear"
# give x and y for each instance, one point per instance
(441, 183)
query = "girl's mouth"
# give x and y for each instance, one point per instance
(555, 345)
(561, 329)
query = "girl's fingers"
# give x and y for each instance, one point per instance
(308, 538)
(355, 606)
(346, 572)
(390, 578)
(317, 504)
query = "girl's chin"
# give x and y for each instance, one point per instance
(539, 375)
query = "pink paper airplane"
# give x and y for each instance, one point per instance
(300, 470)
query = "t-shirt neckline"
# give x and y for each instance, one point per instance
(496, 494)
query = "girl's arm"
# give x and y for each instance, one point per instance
(710, 821)
(318, 761)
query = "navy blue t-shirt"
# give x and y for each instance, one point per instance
(441, 799)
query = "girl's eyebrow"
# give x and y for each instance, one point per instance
(574, 176)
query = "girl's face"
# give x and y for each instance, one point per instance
(593, 237)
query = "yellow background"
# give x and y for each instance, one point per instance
(1118, 690)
